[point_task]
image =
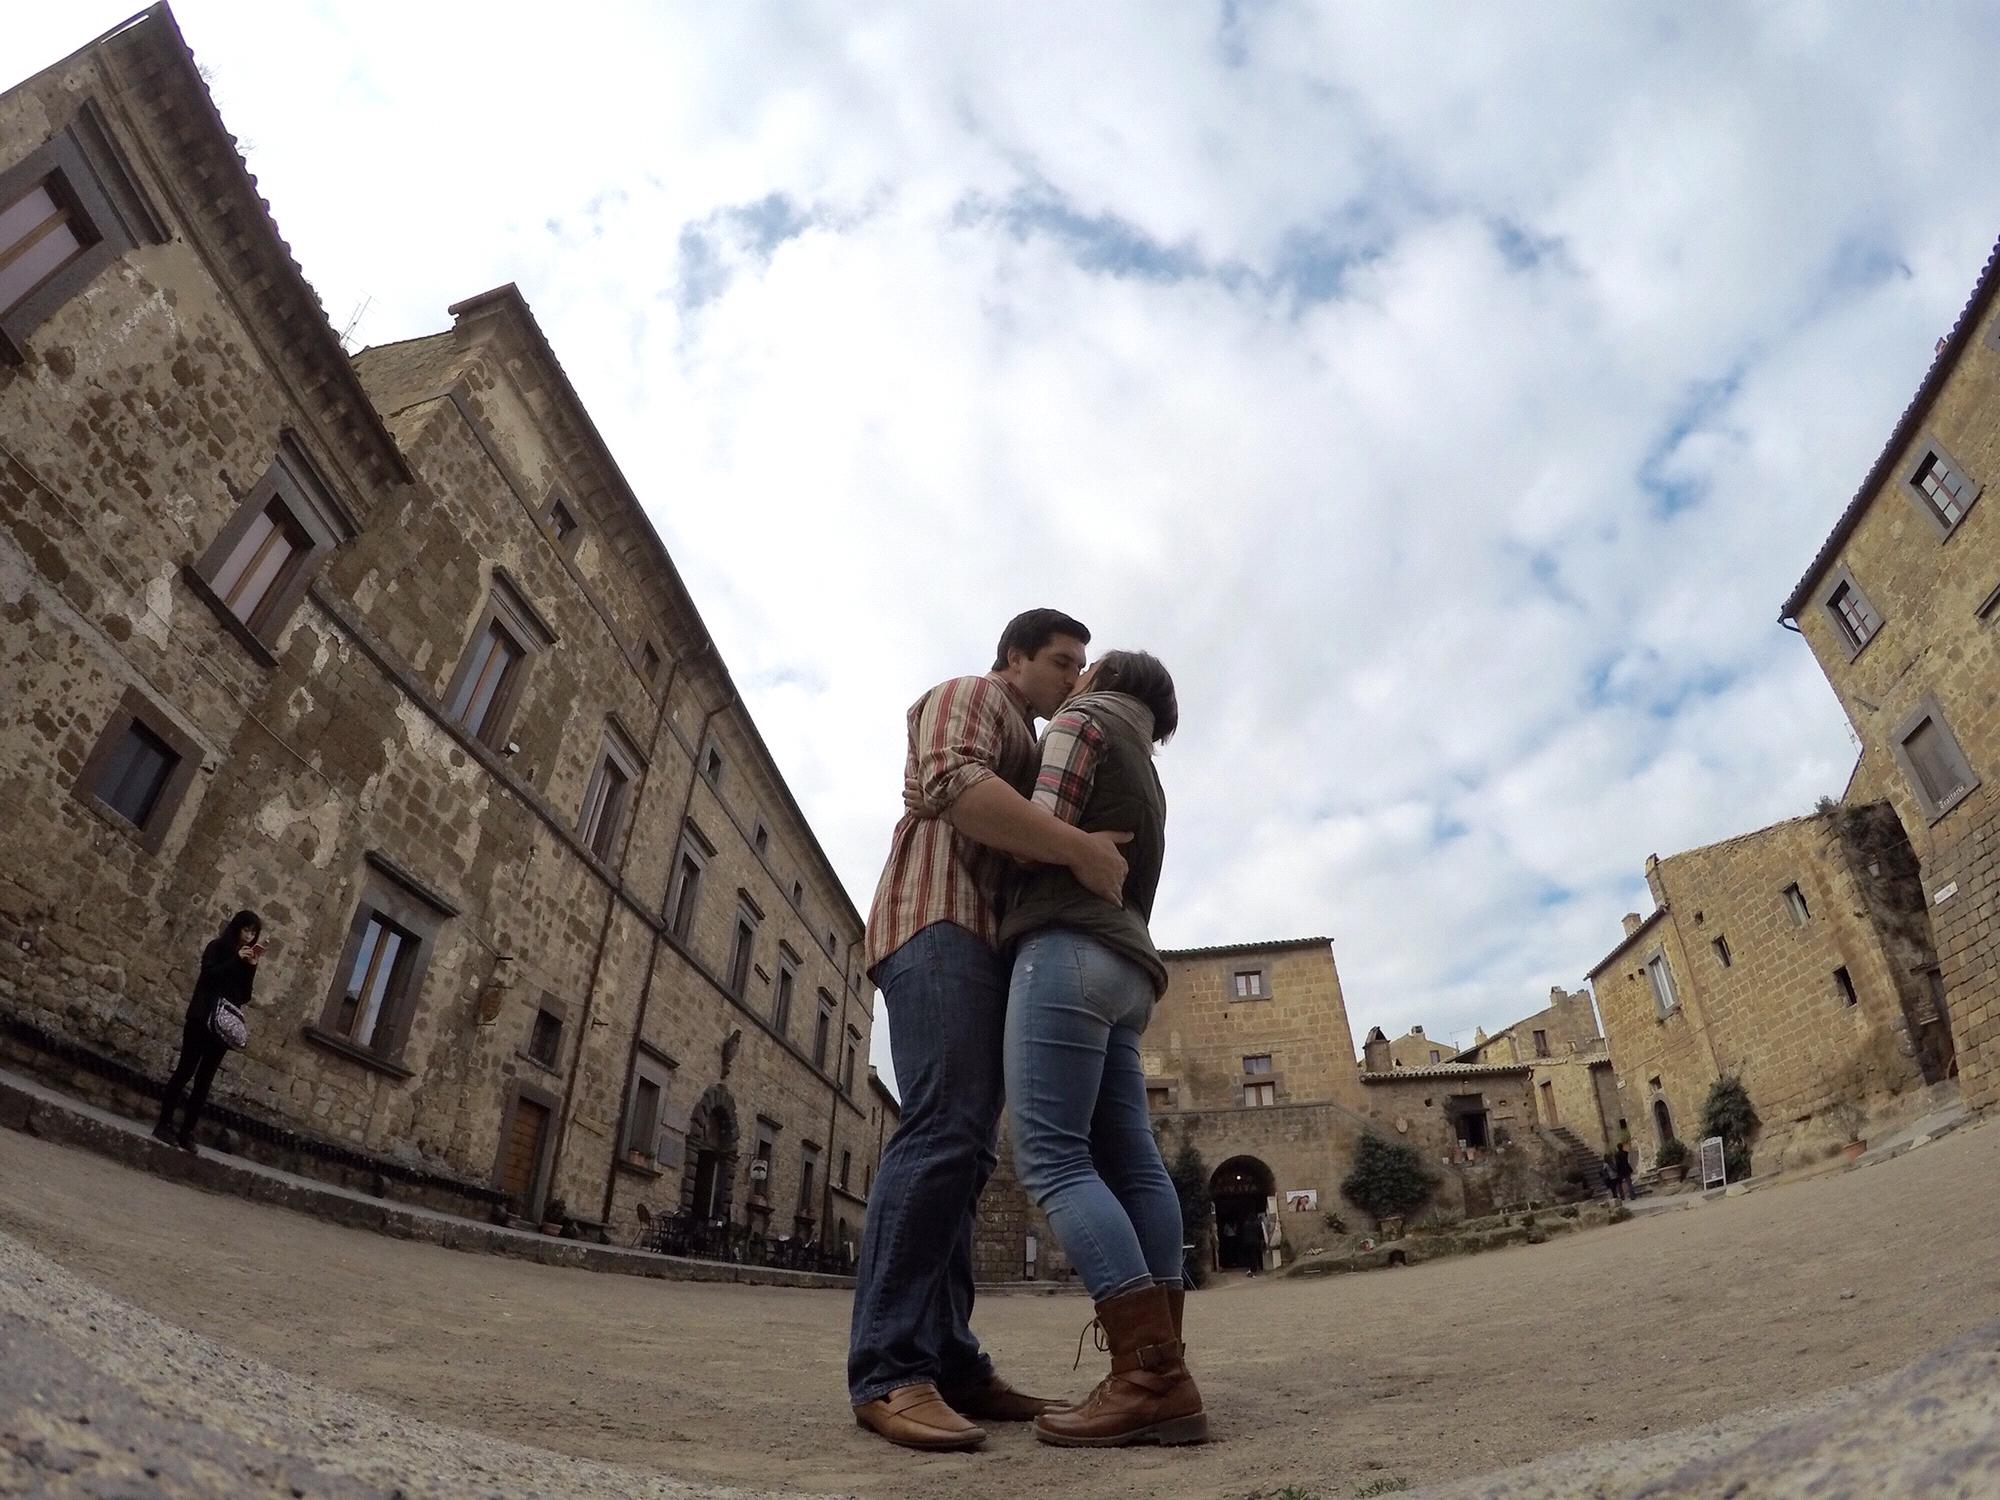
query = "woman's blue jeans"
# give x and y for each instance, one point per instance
(1076, 1100)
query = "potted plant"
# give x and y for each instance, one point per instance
(1848, 1116)
(1672, 1160)
(555, 1213)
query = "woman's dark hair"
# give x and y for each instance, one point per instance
(1138, 674)
(237, 923)
(1027, 633)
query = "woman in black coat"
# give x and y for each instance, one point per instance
(228, 967)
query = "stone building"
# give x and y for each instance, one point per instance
(1797, 957)
(387, 649)
(1569, 1069)
(1411, 1050)
(1901, 608)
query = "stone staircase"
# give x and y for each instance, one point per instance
(1590, 1163)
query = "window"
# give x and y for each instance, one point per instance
(545, 1041)
(67, 210)
(798, 892)
(1157, 1098)
(256, 570)
(1665, 1001)
(1855, 619)
(711, 766)
(487, 684)
(1435, 1056)
(1722, 954)
(1940, 487)
(847, 1063)
(695, 854)
(808, 1164)
(1541, 1044)
(846, 1166)
(248, 580)
(1931, 761)
(822, 1030)
(760, 838)
(139, 770)
(561, 523)
(604, 798)
(1261, 1063)
(649, 663)
(1843, 986)
(646, 1107)
(781, 1000)
(1258, 1095)
(1249, 984)
(739, 956)
(1795, 903)
(379, 976)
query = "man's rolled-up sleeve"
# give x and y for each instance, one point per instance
(958, 742)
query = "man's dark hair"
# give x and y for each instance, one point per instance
(1139, 674)
(1028, 633)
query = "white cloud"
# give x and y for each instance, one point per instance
(1449, 395)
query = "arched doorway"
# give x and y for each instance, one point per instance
(1242, 1188)
(709, 1173)
(1663, 1121)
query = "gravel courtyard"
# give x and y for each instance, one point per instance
(1438, 1371)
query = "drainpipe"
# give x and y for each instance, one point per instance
(653, 953)
(603, 940)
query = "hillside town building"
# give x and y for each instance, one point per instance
(1797, 958)
(387, 649)
(1901, 608)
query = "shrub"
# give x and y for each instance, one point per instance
(1673, 1153)
(1729, 1113)
(1388, 1180)
(1190, 1178)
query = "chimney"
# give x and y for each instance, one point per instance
(1631, 923)
(1416, 1031)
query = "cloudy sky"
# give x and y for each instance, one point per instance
(1448, 394)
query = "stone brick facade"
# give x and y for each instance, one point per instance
(1902, 611)
(1794, 957)
(567, 1015)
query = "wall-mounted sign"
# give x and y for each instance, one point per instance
(1944, 893)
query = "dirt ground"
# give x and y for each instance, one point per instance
(1422, 1374)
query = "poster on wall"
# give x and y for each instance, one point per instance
(1301, 1200)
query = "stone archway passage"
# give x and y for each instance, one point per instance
(708, 1175)
(1242, 1188)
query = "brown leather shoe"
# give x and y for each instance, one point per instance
(997, 1401)
(916, 1416)
(1149, 1396)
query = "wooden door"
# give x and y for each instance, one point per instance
(1549, 1105)
(521, 1162)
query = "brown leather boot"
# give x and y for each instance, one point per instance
(1177, 1304)
(1148, 1397)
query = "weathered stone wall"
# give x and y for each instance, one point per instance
(141, 415)
(1935, 644)
(1774, 1012)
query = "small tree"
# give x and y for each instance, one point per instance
(1190, 1178)
(1729, 1113)
(1389, 1179)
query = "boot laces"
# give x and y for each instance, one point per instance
(1094, 1326)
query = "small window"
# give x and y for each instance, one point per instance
(1157, 1098)
(1541, 1044)
(379, 977)
(1931, 760)
(695, 853)
(846, 1169)
(602, 819)
(799, 895)
(138, 771)
(1258, 1095)
(1249, 984)
(1843, 986)
(41, 231)
(646, 1106)
(1854, 618)
(562, 523)
(739, 956)
(649, 662)
(1722, 954)
(1435, 1055)
(251, 577)
(848, 1062)
(822, 1030)
(711, 766)
(808, 1165)
(761, 839)
(257, 568)
(1261, 1063)
(545, 1041)
(781, 999)
(1795, 903)
(485, 688)
(1940, 487)
(1665, 1001)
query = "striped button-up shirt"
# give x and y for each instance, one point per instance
(961, 732)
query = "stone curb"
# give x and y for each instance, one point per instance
(35, 1110)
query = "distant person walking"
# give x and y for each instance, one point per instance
(228, 969)
(1623, 1162)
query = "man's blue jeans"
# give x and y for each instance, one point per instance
(946, 993)
(1076, 1099)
